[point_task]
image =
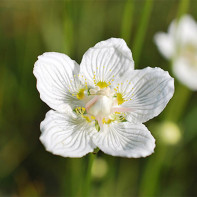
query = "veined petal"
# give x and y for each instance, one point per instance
(106, 60)
(165, 44)
(66, 135)
(146, 93)
(186, 72)
(57, 80)
(125, 139)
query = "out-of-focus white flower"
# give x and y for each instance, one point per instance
(180, 46)
(101, 103)
(170, 133)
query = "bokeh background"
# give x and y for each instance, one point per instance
(29, 28)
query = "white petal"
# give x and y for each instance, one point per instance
(55, 77)
(66, 135)
(186, 31)
(186, 72)
(125, 139)
(106, 60)
(146, 92)
(165, 44)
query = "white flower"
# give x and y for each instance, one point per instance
(101, 103)
(180, 46)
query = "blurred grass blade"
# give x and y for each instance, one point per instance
(88, 178)
(127, 21)
(141, 32)
(178, 103)
(183, 8)
(152, 172)
(68, 29)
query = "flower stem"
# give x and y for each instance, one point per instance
(183, 8)
(152, 172)
(88, 174)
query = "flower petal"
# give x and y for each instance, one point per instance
(186, 72)
(165, 44)
(56, 82)
(146, 93)
(125, 139)
(106, 60)
(66, 135)
(186, 31)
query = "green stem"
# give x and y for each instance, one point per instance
(151, 174)
(127, 21)
(88, 175)
(183, 8)
(141, 32)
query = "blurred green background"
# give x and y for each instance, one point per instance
(29, 28)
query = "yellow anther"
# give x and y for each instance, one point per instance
(92, 117)
(106, 121)
(102, 84)
(120, 99)
(80, 94)
(83, 109)
(80, 110)
(117, 113)
(87, 118)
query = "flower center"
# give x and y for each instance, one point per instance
(190, 53)
(102, 105)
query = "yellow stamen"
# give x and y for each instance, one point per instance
(92, 117)
(106, 121)
(87, 118)
(80, 94)
(80, 110)
(102, 84)
(117, 112)
(120, 99)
